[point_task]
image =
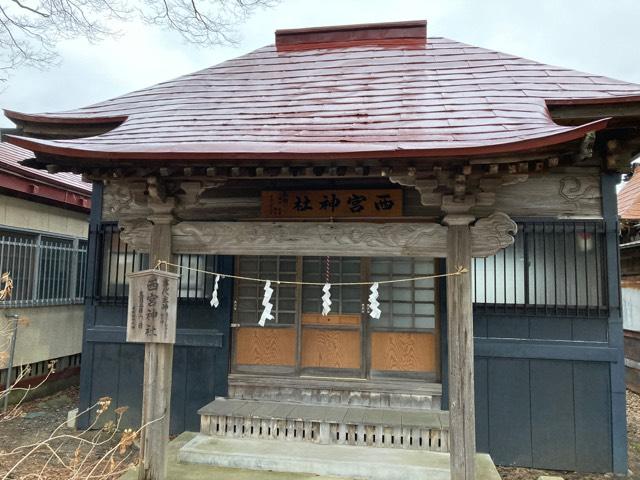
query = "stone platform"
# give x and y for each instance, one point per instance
(327, 460)
(182, 471)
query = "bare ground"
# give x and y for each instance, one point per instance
(39, 418)
(65, 457)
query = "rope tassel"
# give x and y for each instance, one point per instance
(374, 305)
(266, 303)
(326, 299)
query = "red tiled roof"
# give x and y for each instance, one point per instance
(440, 99)
(629, 197)
(11, 156)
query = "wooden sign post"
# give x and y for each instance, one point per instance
(153, 302)
(151, 319)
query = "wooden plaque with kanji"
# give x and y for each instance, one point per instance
(152, 310)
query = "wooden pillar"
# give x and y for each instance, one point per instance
(158, 364)
(462, 430)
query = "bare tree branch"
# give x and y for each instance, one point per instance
(31, 29)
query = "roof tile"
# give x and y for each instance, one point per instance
(378, 99)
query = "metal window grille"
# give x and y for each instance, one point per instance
(117, 260)
(45, 269)
(553, 268)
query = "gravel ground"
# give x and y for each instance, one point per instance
(38, 418)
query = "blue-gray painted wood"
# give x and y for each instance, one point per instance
(509, 410)
(86, 370)
(592, 397)
(553, 436)
(544, 349)
(113, 368)
(482, 404)
(616, 334)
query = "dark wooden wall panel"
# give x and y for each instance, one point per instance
(543, 395)
(590, 329)
(178, 389)
(482, 404)
(106, 365)
(550, 328)
(592, 390)
(552, 419)
(199, 383)
(118, 372)
(130, 374)
(553, 414)
(509, 411)
(507, 327)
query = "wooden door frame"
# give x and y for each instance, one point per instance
(365, 331)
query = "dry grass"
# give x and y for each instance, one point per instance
(51, 451)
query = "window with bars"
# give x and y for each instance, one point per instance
(46, 269)
(552, 267)
(249, 294)
(118, 260)
(409, 305)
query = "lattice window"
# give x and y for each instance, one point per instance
(408, 305)
(345, 299)
(249, 294)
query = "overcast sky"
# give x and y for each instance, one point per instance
(599, 37)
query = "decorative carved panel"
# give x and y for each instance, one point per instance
(551, 195)
(334, 239)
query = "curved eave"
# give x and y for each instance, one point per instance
(266, 151)
(593, 102)
(60, 120)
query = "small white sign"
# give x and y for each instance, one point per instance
(153, 306)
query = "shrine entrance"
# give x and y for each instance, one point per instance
(403, 343)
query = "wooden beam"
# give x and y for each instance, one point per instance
(158, 363)
(462, 430)
(367, 239)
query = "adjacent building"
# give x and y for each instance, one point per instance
(629, 212)
(43, 246)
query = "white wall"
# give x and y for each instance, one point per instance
(20, 213)
(44, 333)
(631, 308)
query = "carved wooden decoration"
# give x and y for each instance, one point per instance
(559, 195)
(136, 199)
(491, 234)
(488, 236)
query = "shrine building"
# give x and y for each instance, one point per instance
(350, 156)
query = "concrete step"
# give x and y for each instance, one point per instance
(327, 424)
(330, 460)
